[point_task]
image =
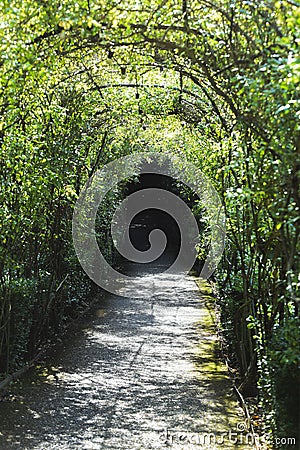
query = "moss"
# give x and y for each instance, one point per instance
(212, 373)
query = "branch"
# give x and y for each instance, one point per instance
(103, 142)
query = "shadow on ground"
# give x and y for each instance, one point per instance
(141, 374)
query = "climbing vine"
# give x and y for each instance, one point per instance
(85, 82)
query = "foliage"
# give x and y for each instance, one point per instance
(85, 82)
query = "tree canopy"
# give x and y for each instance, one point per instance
(84, 82)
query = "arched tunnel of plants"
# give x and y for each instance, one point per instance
(215, 84)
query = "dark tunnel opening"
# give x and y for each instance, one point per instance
(150, 219)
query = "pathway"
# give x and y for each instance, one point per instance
(143, 374)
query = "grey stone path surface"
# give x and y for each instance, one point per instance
(144, 374)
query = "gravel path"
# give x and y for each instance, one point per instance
(142, 374)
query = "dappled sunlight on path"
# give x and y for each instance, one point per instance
(144, 374)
